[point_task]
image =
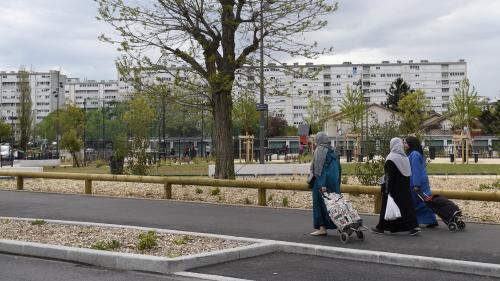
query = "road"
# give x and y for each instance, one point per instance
(478, 243)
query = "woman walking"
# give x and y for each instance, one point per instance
(419, 181)
(325, 167)
(397, 183)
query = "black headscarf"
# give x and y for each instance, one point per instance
(414, 144)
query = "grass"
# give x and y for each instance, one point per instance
(347, 169)
(445, 169)
(147, 240)
(106, 246)
(38, 222)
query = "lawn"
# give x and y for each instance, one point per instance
(347, 169)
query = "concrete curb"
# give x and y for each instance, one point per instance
(260, 247)
(449, 265)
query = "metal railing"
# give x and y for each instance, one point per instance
(261, 186)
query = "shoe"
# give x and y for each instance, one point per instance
(415, 231)
(432, 225)
(318, 233)
(376, 230)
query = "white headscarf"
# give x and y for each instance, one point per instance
(323, 145)
(398, 157)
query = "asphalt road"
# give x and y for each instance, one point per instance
(295, 267)
(479, 242)
(19, 268)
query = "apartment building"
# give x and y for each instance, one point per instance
(91, 93)
(47, 93)
(288, 87)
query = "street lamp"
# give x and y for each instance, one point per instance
(262, 114)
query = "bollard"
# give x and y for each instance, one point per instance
(167, 193)
(88, 186)
(262, 197)
(377, 206)
(20, 183)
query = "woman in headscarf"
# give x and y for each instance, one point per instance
(397, 183)
(419, 181)
(325, 167)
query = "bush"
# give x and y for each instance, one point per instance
(106, 246)
(99, 163)
(38, 222)
(182, 240)
(285, 201)
(247, 201)
(147, 240)
(215, 191)
(199, 190)
(369, 173)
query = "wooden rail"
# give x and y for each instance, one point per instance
(261, 186)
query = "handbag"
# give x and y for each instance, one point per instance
(392, 211)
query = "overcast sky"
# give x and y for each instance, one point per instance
(53, 34)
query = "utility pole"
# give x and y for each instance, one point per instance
(262, 116)
(57, 113)
(201, 146)
(84, 131)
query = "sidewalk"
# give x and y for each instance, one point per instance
(480, 242)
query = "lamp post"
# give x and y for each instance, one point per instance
(262, 116)
(85, 131)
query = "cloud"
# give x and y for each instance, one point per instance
(50, 34)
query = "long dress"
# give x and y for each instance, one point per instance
(330, 178)
(398, 186)
(419, 178)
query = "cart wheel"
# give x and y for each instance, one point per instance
(360, 235)
(461, 225)
(452, 227)
(344, 237)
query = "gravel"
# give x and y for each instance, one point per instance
(168, 245)
(473, 210)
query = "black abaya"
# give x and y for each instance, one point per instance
(399, 187)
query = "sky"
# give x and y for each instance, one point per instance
(63, 34)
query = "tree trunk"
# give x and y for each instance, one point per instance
(223, 131)
(75, 159)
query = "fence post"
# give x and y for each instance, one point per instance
(20, 182)
(262, 197)
(167, 194)
(377, 206)
(88, 186)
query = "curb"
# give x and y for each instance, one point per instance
(260, 247)
(449, 265)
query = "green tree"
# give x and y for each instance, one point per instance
(69, 117)
(216, 39)
(464, 106)
(399, 88)
(138, 119)
(46, 129)
(277, 126)
(490, 119)
(413, 108)
(318, 108)
(353, 107)
(5, 131)
(245, 114)
(73, 143)
(24, 109)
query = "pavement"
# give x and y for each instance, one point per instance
(286, 267)
(479, 242)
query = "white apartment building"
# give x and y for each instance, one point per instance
(92, 94)
(288, 88)
(47, 91)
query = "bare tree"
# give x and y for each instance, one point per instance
(215, 38)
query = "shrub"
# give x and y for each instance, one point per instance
(99, 163)
(106, 246)
(147, 240)
(369, 173)
(247, 201)
(285, 201)
(215, 191)
(199, 190)
(38, 222)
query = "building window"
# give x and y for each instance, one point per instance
(445, 90)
